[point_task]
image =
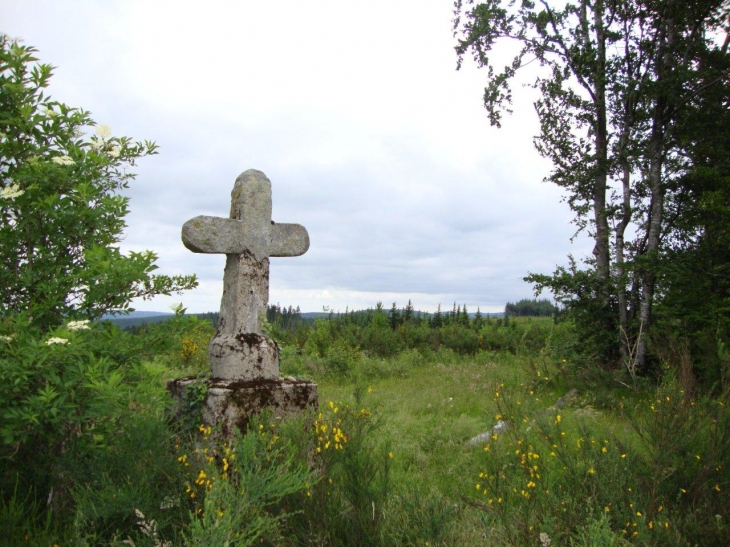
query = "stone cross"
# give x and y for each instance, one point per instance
(239, 351)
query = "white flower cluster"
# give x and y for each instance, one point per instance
(56, 340)
(7, 339)
(11, 192)
(78, 325)
(98, 141)
(104, 131)
(62, 160)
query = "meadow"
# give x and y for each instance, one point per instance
(606, 424)
(387, 458)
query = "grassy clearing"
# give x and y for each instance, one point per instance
(387, 459)
(597, 471)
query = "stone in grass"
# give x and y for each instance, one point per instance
(244, 361)
(485, 437)
(503, 426)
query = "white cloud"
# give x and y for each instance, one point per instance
(370, 137)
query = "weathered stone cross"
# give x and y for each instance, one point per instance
(239, 351)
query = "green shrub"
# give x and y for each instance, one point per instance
(24, 521)
(460, 339)
(379, 340)
(341, 358)
(320, 338)
(347, 505)
(138, 471)
(62, 396)
(241, 484)
(565, 473)
(687, 444)
(421, 519)
(61, 205)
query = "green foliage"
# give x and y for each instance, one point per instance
(633, 116)
(67, 392)
(460, 339)
(595, 320)
(242, 488)
(341, 357)
(23, 521)
(534, 308)
(695, 268)
(687, 443)
(138, 471)
(597, 532)
(562, 472)
(393, 465)
(179, 343)
(61, 212)
(429, 518)
(340, 339)
(347, 505)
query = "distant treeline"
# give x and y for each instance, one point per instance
(286, 318)
(289, 318)
(383, 332)
(459, 314)
(531, 308)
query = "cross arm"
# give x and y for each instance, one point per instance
(206, 234)
(288, 240)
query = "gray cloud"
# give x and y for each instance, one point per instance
(371, 139)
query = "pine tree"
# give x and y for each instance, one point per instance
(478, 322)
(437, 320)
(394, 316)
(408, 312)
(464, 316)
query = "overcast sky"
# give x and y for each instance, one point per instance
(355, 111)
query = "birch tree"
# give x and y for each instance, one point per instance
(614, 78)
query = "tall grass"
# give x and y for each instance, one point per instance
(387, 458)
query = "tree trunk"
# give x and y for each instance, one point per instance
(602, 250)
(657, 144)
(623, 316)
(656, 187)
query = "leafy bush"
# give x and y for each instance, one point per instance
(242, 483)
(179, 343)
(24, 521)
(340, 357)
(138, 471)
(64, 395)
(421, 519)
(62, 215)
(460, 339)
(347, 505)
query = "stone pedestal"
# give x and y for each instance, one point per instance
(227, 352)
(230, 404)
